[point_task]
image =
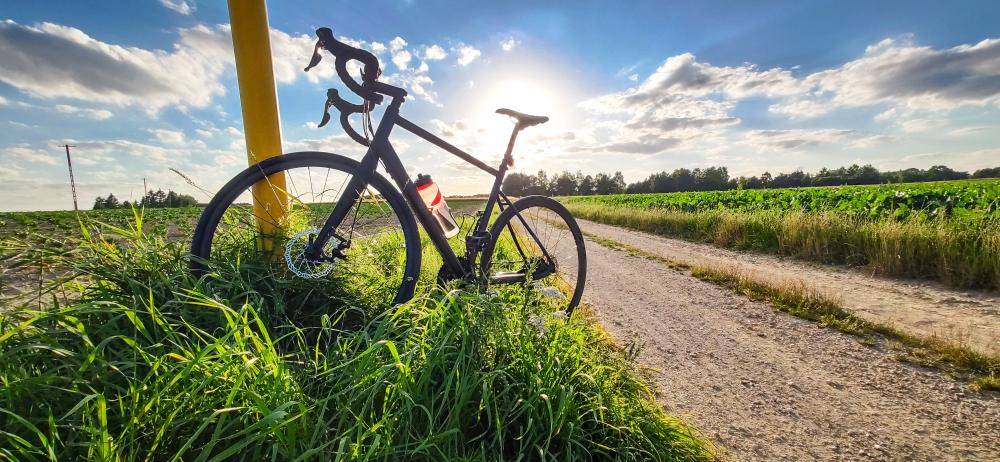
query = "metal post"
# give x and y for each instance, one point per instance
(258, 98)
(72, 182)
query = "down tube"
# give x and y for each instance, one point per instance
(398, 173)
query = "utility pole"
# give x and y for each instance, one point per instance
(72, 183)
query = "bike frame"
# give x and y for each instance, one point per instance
(380, 149)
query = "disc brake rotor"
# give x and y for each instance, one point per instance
(300, 264)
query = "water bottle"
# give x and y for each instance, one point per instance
(436, 204)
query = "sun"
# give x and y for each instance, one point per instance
(529, 96)
(523, 96)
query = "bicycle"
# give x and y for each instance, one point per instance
(320, 228)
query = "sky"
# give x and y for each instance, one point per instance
(143, 88)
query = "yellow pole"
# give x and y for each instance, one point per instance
(258, 97)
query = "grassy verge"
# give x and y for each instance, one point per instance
(142, 361)
(800, 301)
(958, 253)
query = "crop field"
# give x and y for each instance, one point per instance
(123, 354)
(946, 231)
(967, 198)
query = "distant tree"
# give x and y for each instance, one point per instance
(618, 183)
(540, 184)
(585, 187)
(564, 184)
(111, 202)
(987, 173)
(942, 173)
(157, 199)
(603, 183)
(517, 184)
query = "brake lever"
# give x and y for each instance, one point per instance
(346, 109)
(316, 57)
(326, 113)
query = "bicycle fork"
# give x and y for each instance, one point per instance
(381, 149)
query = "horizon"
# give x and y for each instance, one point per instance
(143, 88)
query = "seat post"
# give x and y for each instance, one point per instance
(508, 158)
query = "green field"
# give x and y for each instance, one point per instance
(961, 199)
(124, 355)
(946, 231)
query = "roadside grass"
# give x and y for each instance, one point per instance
(798, 300)
(143, 361)
(959, 253)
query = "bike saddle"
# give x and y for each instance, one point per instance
(524, 120)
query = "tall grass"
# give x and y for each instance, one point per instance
(144, 362)
(958, 253)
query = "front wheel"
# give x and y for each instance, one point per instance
(266, 217)
(536, 239)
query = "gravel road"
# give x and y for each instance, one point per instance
(768, 386)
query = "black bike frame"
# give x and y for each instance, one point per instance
(381, 149)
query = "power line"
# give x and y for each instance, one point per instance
(72, 182)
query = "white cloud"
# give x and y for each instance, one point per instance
(180, 6)
(793, 139)
(966, 131)
(53, 61)
(435, 53)
(3, 101)
(920, 125)
(401, 59)
(508, 44)
(94, 114)
(171, 137)
(340, 144)
(400, 56)
(397, 44)
(907, 76)
(25, 153)
(466, 54)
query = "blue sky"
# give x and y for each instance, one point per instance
(143, 87)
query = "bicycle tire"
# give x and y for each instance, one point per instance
(201, 242)
(497, 231)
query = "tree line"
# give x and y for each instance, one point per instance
(717, 178)
(563, 184)
(152, 200)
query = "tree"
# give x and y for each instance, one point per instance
(99, 203)
(111, 202)
(602, 183)
(617, 183)
(540, 185)
(585, 186)
(517, 184)
(563, 184)
(987, 173)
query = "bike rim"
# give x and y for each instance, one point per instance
(538, 243)
(373, 264)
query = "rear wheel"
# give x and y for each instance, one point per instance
(375, 254)
(537, 239)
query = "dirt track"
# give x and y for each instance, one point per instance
(768, 386)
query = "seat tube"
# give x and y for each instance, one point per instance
(498, 182)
